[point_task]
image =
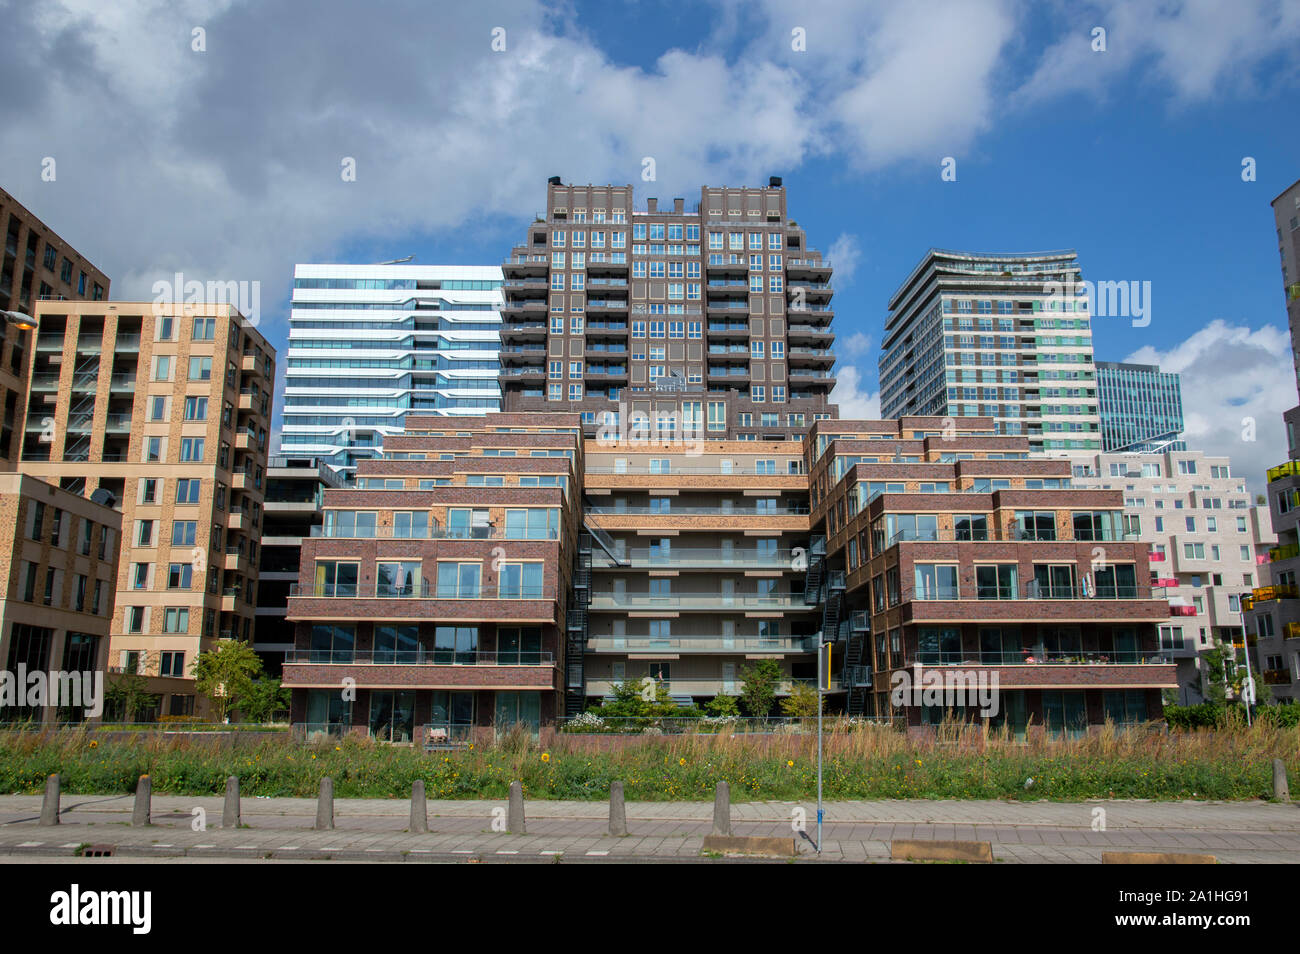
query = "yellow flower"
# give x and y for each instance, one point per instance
(681, 761)
(789, 763)
(94, 743)
(546, 756)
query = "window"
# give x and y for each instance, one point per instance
(205, 329)
(180, 576)
(200, 368)
(153, 451)
(191, 448)
(149, 490)
(157, 408)
(397, 578)
(996, 581)
(196, 408)
(336, 578)
(144, 533)
(459, 580)
(935, 581)
(184, 533)
(520, 581)
(187, 491)
(171, 662)
(176, 619)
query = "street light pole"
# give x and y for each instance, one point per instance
(823, 681)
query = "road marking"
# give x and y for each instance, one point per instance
(71, 844)
(552, 852)
(202, 846)
(462, 851)
(504, 851)
(159, 846)
(289, 848)
(598, 852)
(243, 847)
(31, 844)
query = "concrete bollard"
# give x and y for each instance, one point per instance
(722, 809)
(50, 806)
(1281, 791)
(230, 813)
(419, 810)
(515, 819)
(143, 797)
(617, 810)
(325, 805)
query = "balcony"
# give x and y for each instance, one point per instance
(421, 668)
(1291, 631)
(703, 602)
(1276, 677)
(422, 601)
(435, 532)
(1283, 552)
(702, 558)
(1181, 610)
(1290, 469)
(652, 647)
(1264, 594)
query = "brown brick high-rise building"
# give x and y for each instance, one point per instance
(36, 265)
(715, 320)
(167, 407)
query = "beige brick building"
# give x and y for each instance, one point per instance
(167, 407)
(58, 564)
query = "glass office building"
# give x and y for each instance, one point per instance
(370, 343)
(1141, 408)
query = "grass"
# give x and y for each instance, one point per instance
(861, 762)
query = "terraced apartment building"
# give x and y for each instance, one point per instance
(715, 318)
(166, 407)
(37, 265)
(436, 595)
(1210, 546)
(943, 545)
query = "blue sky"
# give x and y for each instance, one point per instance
(223, 162)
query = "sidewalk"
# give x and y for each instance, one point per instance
(374, 829)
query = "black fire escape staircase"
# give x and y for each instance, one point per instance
(81, 410)
(575, 645)
(855, 677)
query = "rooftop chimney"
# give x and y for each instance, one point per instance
(774, 182)
(652, 205)
(555, 180)
(679, 205)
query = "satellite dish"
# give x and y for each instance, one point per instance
(105, 497)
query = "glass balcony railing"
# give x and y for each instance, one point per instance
(1283, 552)
(420, 656)
(1038, 656)
(703, 601)
(700, 557)
(1281, 591)
(418, 591)
(1290, 469)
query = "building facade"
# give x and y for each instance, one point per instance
(167, 408)
(369, 344)
(1000, 336)
(295, 493)
(696, 569)
(1210, 544)
(58, 560)
(1273, 618)
(1141, 408)
(956, 550)
(439, 587)
(714, 318)
(37, 265)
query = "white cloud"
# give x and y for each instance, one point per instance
(856, 345)
(1231, 374)
(855, 404)
(845, 254)
(1195, 48)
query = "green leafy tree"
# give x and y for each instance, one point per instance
(801, 703)
(723, 705)
(263, 699)
(761, 680)
(639, 699)
(128, 693)
(225, 675)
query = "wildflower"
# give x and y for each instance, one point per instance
(94, 743)
(789, 763)
(546, 756)
(681, 761)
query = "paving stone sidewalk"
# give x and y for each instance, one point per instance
(374, 829)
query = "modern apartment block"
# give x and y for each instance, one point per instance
(1002, 336)
(295, 492)
(957, 551)
(1141, 408)
(1209, 544)
(1273, 615)
(715, 319)
(439, 588)
(167, 408)
(699, 565)
(369, 344)
(58, 560)
(37, 265)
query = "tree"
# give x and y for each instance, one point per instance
(723, 705)
(638, 699)
(225, 675)
(801, 703)
(128, 693)
(263, 699)
(761, 680)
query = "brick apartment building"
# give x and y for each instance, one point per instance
(58, 561)
(37, 265)
(167, 408)
(950, 547)
(438, 587)
(721, 313)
